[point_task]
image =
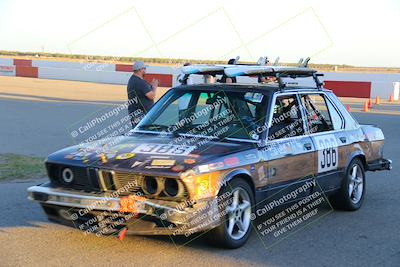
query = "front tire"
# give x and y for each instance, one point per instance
(235, 227)
(351, 195)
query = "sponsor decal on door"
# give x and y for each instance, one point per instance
(328, 155)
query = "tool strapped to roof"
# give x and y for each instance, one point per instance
(234, 71)
(218, 69)
(209, 69)
(204, 69)
(278, 72)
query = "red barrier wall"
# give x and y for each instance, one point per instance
(22, 71)
(23, 62)
(123, 67)
(164, 80)
(349, 89)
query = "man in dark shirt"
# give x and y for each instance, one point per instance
(141, 94)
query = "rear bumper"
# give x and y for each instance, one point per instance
(380, 165)
(154, 217)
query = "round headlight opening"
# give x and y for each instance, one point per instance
(67, 175)
(150, 185)
(171, 187)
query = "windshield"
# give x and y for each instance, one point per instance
(213, 114)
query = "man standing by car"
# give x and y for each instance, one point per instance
(141, 94)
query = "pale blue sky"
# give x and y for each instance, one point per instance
(364, 33)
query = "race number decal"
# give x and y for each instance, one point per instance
(328, 154)
(161, 149)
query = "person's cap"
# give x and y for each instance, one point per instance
(138, 65)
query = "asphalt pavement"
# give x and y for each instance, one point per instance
(367, 237)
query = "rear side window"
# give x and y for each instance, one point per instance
(337, 120)
(350, 122)
(317, 114)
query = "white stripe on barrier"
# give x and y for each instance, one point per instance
(91, 66)
(396, 91)
(381, 89)
(163, 70)
(6, 62)
(7, 70)
(384, 90)
(360, 77)
(110, 77)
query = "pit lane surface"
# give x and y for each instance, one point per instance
(368, 237)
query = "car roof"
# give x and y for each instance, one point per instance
(269, 88)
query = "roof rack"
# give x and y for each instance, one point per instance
(260, 69)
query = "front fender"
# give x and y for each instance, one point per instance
(242, 173)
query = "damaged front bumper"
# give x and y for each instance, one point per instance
(153, 217)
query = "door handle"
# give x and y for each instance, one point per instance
(307, 146)
(343, 139)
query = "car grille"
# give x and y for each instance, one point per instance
(84, 178)
(126, 183)
(132, 182)
(101, 180)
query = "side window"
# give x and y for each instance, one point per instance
(286, 119)
(350, 122)
(317, 114)
(337, 120)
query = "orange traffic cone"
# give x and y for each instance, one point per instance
(348, 108)
(369, 103)
(366, 109)
(391, 98)
(377, 100)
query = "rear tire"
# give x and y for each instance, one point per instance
(351, 194)
(235, 227)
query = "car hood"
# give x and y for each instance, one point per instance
(167, 155)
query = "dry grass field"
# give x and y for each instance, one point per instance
(55, 90)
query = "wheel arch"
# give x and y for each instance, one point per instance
(357, 155)
(241, 173)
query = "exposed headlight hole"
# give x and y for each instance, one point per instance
(171, 187)
(67, 175)
(151, 186)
